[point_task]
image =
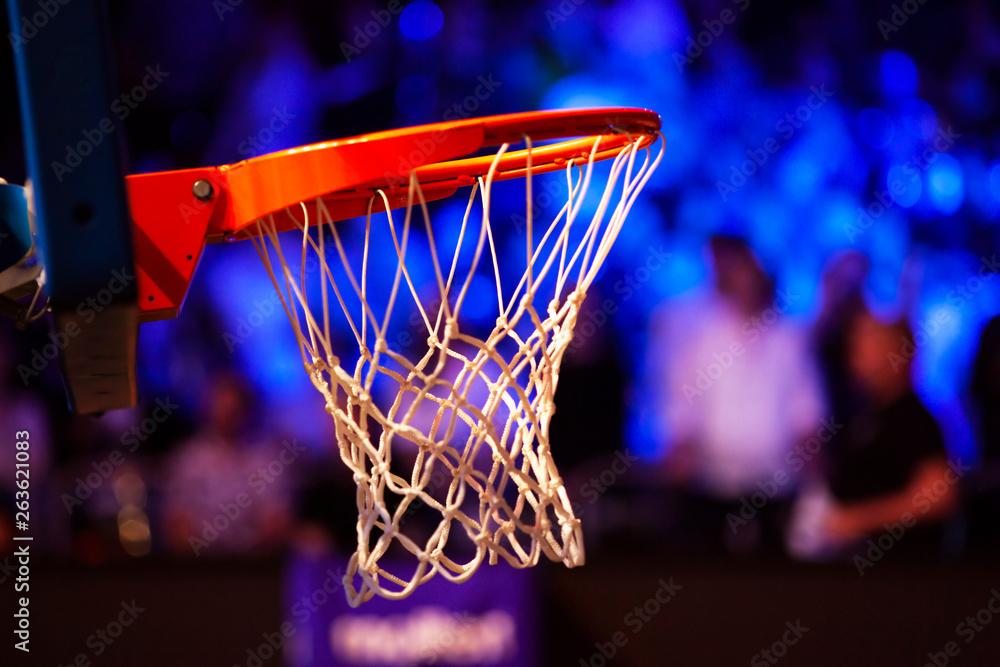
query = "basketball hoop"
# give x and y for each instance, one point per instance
(459, 428)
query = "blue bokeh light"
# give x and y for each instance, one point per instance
(686, 269)
(416, 96)
(646, 27)
(876, 127)
(480, 303)
(421, 19)
(994, 180)
(582, 91)
(945, 184)
(918, 119)
(899, 74)
(800, 175)
(901, 184)
(795, 209)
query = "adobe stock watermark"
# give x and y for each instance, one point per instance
(262, 310)
(223, 7)
(785, 129)
(130, 439)
(967, 629)
(551, 190)
(301, 610)
(796, 460)
(259, 481)
(87, 310)
(900, 14)
(30, 25)
(598, 484)
(102, 638)
(121, 107)
(271, 646)
(923, 501)
(699, 43)
(562, 12)
(7, 569)
(635, 620)
(255, 144)
(779, 649)
(752, 330)
(957, 297)
(426, 147)
(943, 141)
(366, 34)
(589, 322)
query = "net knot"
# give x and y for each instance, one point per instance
(562, 336)
(361, 395)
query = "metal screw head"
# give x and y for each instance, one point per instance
(203, 190)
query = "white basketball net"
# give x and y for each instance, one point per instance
(471, 411)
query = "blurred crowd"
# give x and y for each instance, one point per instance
(778, 437)
(788, 407)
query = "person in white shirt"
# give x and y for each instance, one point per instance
(738, 394)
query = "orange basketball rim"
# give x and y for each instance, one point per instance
(175, 213)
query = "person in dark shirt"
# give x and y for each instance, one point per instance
(983, 489)
(843, 300)
(889, 466)
(986, 390)
(591, 384)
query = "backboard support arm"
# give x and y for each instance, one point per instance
(74, 148)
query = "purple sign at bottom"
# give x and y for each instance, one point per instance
(489, 620)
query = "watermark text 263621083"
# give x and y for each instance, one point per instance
(22, 517)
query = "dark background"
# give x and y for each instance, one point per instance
(231, 69)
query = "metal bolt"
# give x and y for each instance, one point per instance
(203, 190)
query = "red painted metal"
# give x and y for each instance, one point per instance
(171, 226)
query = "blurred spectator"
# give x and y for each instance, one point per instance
(986, 391)
(741, 392)
(984, 503)
(326, 506)
(228, 487)
(843, 300)
(87, 477)
(591, 382)
(589, 423)
(890, 461)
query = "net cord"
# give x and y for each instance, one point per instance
(522, 381)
